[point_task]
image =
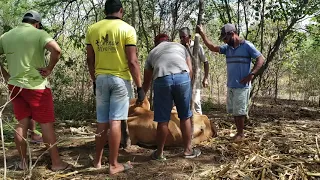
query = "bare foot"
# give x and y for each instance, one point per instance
(120, 168)
(96, 164)
(62, 167)
(238, 137)
(36, 137)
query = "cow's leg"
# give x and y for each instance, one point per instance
(125, 138)
(101, 139)
(162, 133)
(186, 129)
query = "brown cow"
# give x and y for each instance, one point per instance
(142, 128)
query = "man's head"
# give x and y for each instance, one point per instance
(185, 36)
(113, 7)
(228, 34)
(33, 18)
(160, 38)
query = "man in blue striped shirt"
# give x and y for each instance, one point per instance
(239, 54)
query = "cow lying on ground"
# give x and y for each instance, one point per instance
(142, 128)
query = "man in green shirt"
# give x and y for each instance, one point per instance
(24, 48)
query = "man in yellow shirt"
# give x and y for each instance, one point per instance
(113, 63)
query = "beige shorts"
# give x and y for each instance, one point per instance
(238, 101)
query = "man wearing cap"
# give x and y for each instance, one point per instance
(169, 65)
(112, 61)
(24, 48)
(239, 54)
(185, 39)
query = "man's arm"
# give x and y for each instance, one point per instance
(91, 61)
(259, 63)
(206, 74)
(207, 42)
(4, 72)
(55, 53)
(131, 53)
(147, 79)
(189, 63)
(254, 71)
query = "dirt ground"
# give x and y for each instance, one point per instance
(281, 143)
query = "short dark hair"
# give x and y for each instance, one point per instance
(30, 21)
(160, 37)
(112, 6)
(185, 30)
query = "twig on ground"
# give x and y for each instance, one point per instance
(313, 174)
(224, 170)
(193, 171)
(275, 163)
(75, 163)
(318, 149)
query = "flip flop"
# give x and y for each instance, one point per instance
(126, 167)
(160, 158)
(37, 141)
(17, 167)
(68, 167)
(195, 153)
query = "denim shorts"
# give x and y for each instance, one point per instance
(112, 98)
(238, 101)
(177, 88)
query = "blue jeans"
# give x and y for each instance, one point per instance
(112, 98)
(174, 87)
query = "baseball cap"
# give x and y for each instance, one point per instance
(33, 15)
(227, 28)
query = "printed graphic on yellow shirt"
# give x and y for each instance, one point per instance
(104, 45)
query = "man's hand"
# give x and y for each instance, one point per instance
(247, 79)
(205, 83)
(141, 96)
(199, 29)
(45, 72)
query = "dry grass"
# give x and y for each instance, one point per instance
(282, 142)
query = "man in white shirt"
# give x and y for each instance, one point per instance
(185, 39)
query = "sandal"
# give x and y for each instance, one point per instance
(126, 167)
(17, 167)
(68, 167)
(195, 153)
(160, 158)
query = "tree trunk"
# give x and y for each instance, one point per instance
(133, 14)
(276, 86)
(262, 27)
(142, 26)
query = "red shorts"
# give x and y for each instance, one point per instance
(36, 104)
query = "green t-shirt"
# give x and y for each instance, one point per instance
(24, 47)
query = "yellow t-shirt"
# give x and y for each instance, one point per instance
(109, 37)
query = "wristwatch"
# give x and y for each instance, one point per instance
(251, 73)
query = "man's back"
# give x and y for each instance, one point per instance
(167, 58)
(24, 49)
(108, 38)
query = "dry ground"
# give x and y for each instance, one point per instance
(281, 143)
